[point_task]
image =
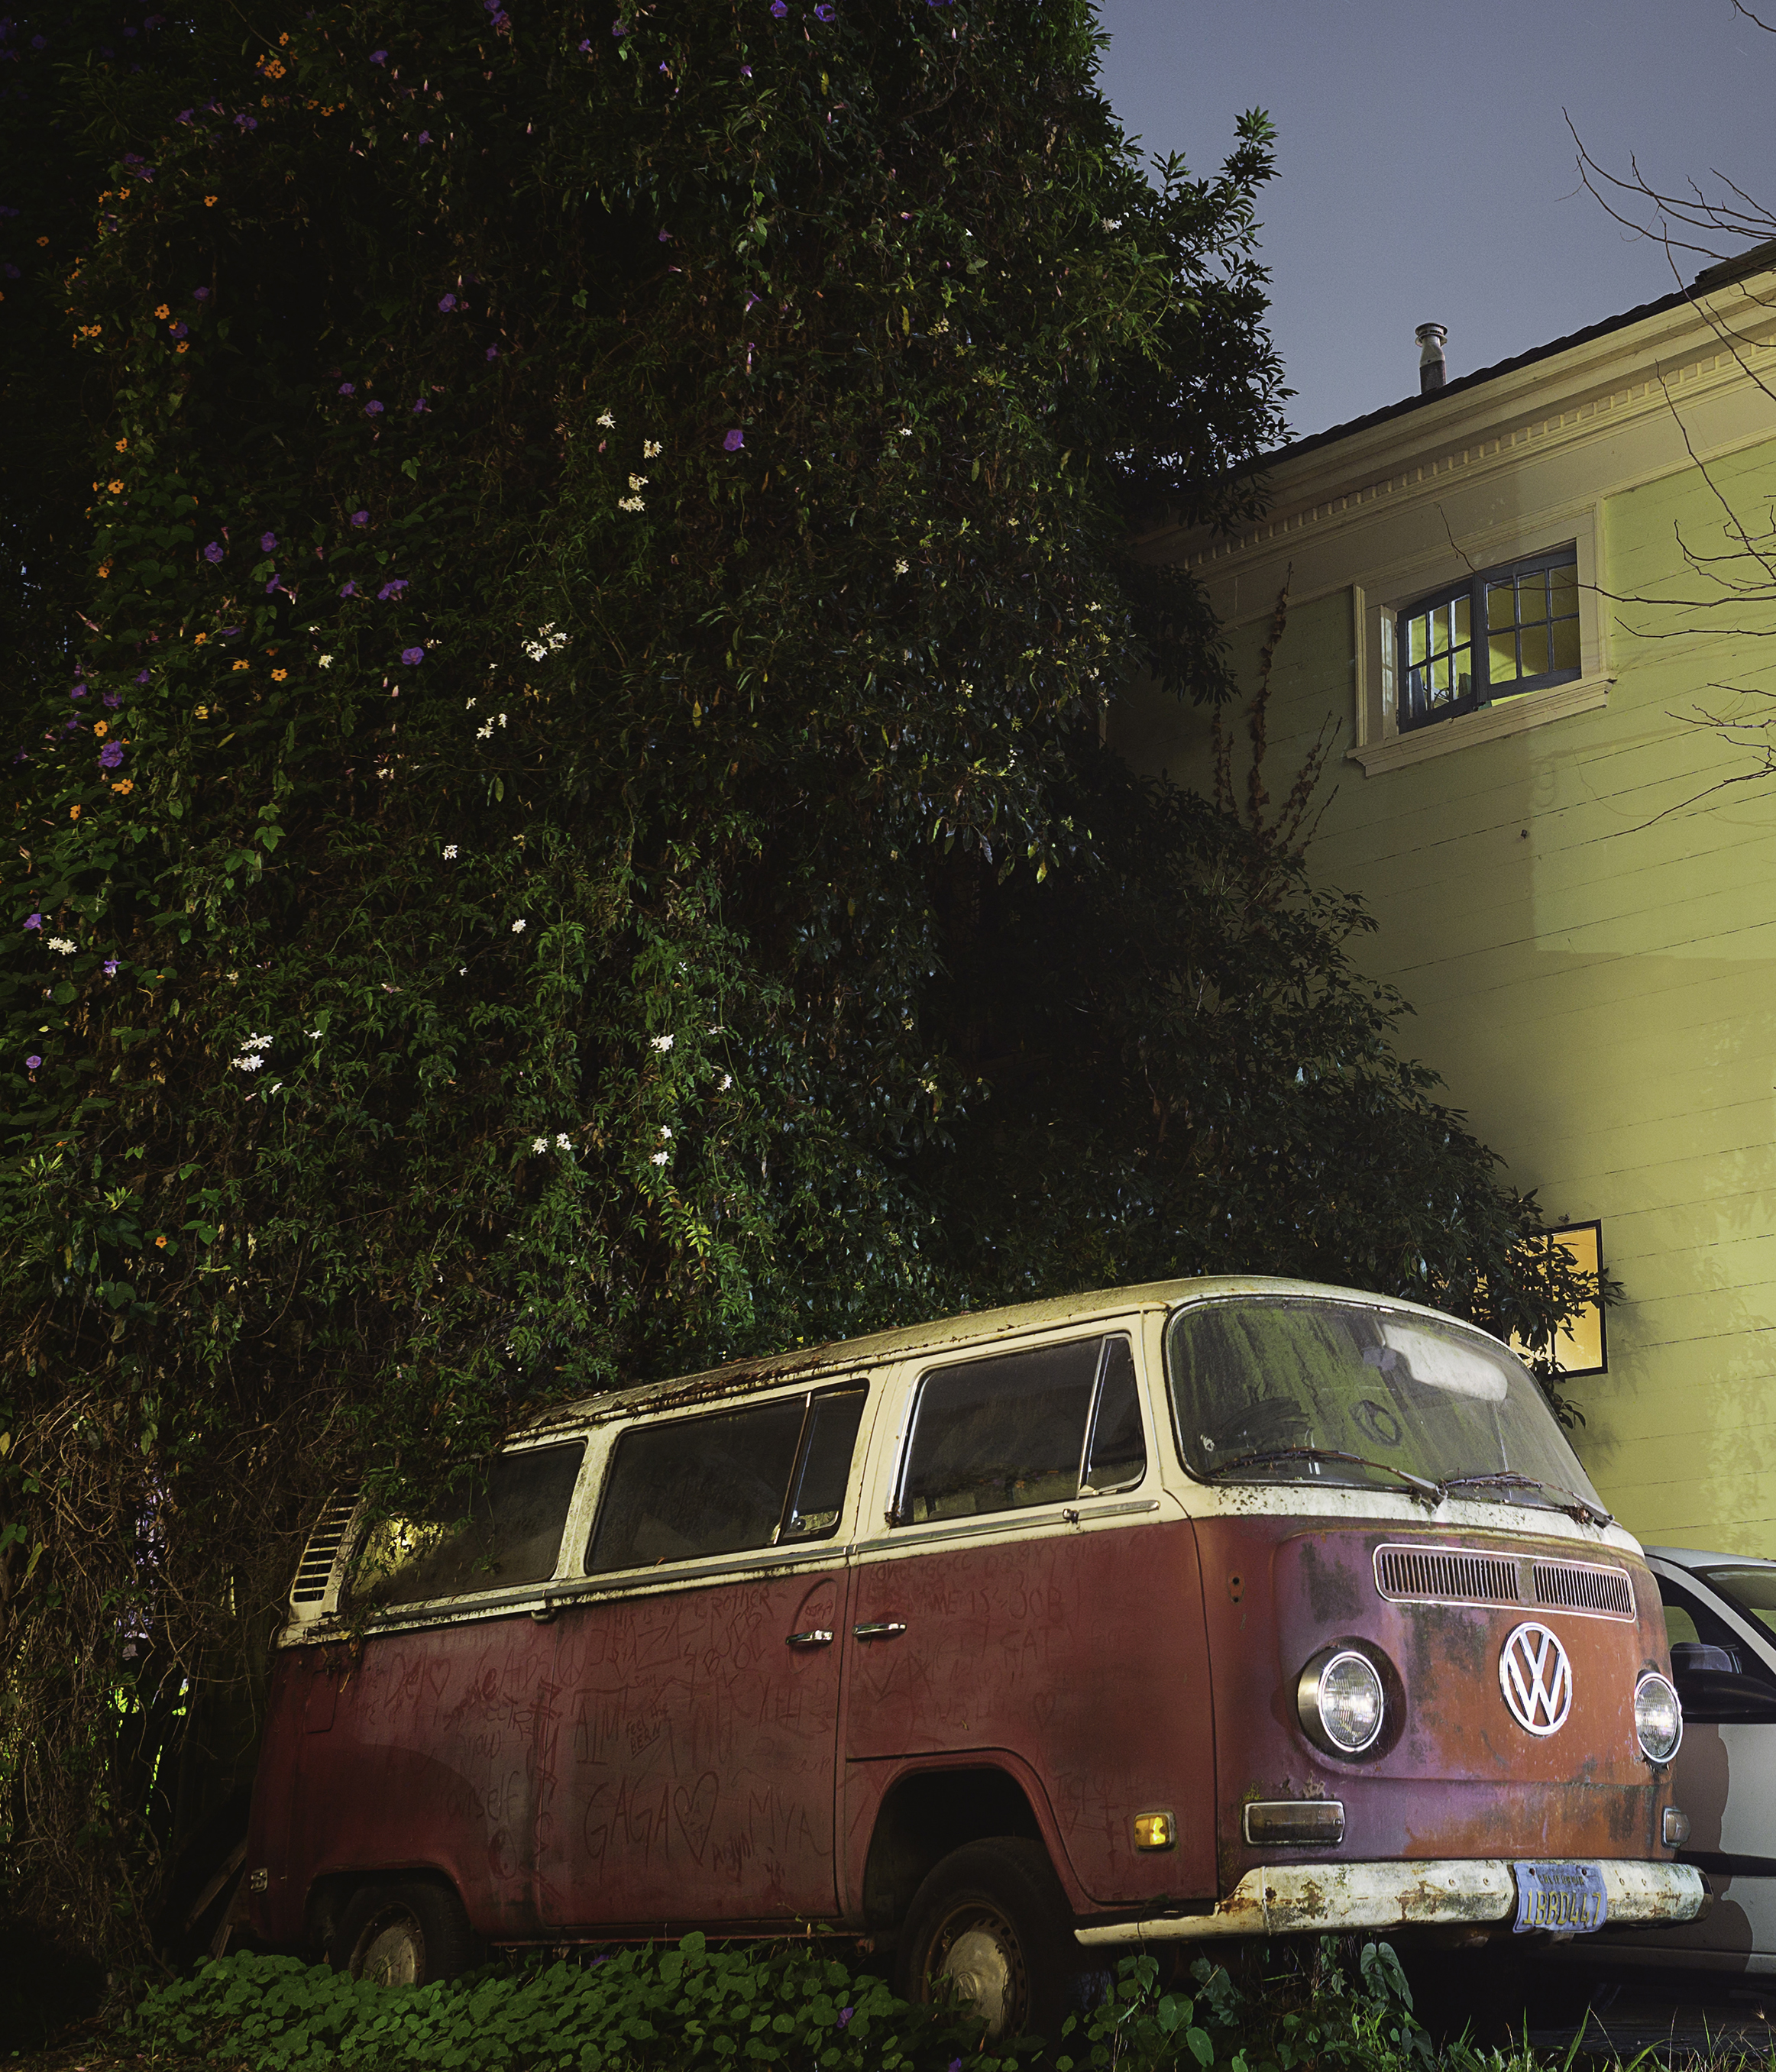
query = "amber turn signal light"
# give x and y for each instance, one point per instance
(1298, 1821)
(1155, 1831)
(1676, 1828)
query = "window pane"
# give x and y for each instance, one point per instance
(826, 1465)
(508, 1532)
(1502, 659)
(1417, 636)
(999, 1434)
(697, 1485)
(1118, 1457)
(1535, 651)
(1566, 644)
(1463, 612)
(1464, 674)
(1564, 588)
(1500, 605)
(1532, 599)
(1440, 679)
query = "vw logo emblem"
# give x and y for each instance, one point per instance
(1537, 1679)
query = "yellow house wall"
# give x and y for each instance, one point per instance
(1584, 923)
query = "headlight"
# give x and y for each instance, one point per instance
(1341, 1702)
(1658, 1718)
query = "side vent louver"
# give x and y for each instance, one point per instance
(1564, 1586)
(314, 1570)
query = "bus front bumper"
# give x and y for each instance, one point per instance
(1293, 1899)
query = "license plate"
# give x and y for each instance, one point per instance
(1568, 1898)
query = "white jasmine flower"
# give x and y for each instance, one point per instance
(62, 944)
(727, 1081)
(662, 1042)
(901, 568)
(518, 927)
(256, 1043)
(665, 1132)
(468, 705)
(638, 481)
(326, 661)
(449, 852)
(484, 733)
(650, 448)
(1112, 223)
(563, 1142)
(539, 1143)
(906, 431)
(608, 421)
(251, 1063)
(311, 1032)
(502, 719)
(659, 1158)
(631, 503)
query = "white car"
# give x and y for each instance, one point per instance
(1720, 1619)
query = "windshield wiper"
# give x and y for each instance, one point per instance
(1575, 1507)
(1428, 1492)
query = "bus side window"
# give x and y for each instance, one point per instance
(506, 1533)
(1000, 1434)
(697, 1485)
(1115, 1458)
(818, 1497)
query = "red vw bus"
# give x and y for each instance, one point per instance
(1210, 1608)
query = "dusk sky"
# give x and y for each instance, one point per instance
(1427, 170)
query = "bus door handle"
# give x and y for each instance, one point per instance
(816, 1636)
(879, 1630)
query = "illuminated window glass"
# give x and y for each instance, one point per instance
(1504, 631)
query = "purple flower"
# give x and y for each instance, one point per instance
(361, 517)
(34, 921)
(378, 57)
(111, 755)
(32, 1063)
(246, 122)
(213, 553)
(112, 701)
(846, 2015)
(348, 388)
(40, 43)
(493, 352)
(143, 677)
(389, 589)
(200, 295)
(585, 44)
(412, 655)
(277, 583)
(779, 8)
(824, 14)
(348, 590)
(745, 72)
(425, 137)
(372, 410)
(422, 404)
(181, 331)
(79, 690)
(184, 115)
(734, 441)
(267, 541)
(110, 966)
(664, 236)
(617, 29)
(447, 303)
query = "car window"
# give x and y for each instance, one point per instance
(1010, 1431)
(507, 1531)
(1752, 1590)
(694, 1486)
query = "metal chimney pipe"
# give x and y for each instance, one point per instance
(1433, 371)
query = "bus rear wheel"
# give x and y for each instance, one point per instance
(404, 1935)
(988, 1930)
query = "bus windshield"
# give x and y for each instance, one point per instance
(1307, 1389)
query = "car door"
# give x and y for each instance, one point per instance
(1029, 1601)
(687, 1770)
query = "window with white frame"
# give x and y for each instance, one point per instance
(1498, 634)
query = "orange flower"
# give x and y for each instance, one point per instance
(105, 570)
(278, 675)
(121, 445)
(243, 665)
(73, 813)
(102, 728)
(184, 345)
(126, 786)
(161, 1244)
(42, 240)
(162, 311)
(115, 488)
(201, 639)
(209, 201)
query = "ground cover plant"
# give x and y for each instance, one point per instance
(562, 575)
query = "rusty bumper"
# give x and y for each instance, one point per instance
(1286, 1899)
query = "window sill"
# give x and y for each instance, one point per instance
(1494, 723)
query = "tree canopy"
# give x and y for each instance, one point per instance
(563, 575)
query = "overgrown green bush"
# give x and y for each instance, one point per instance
(696, 2009)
